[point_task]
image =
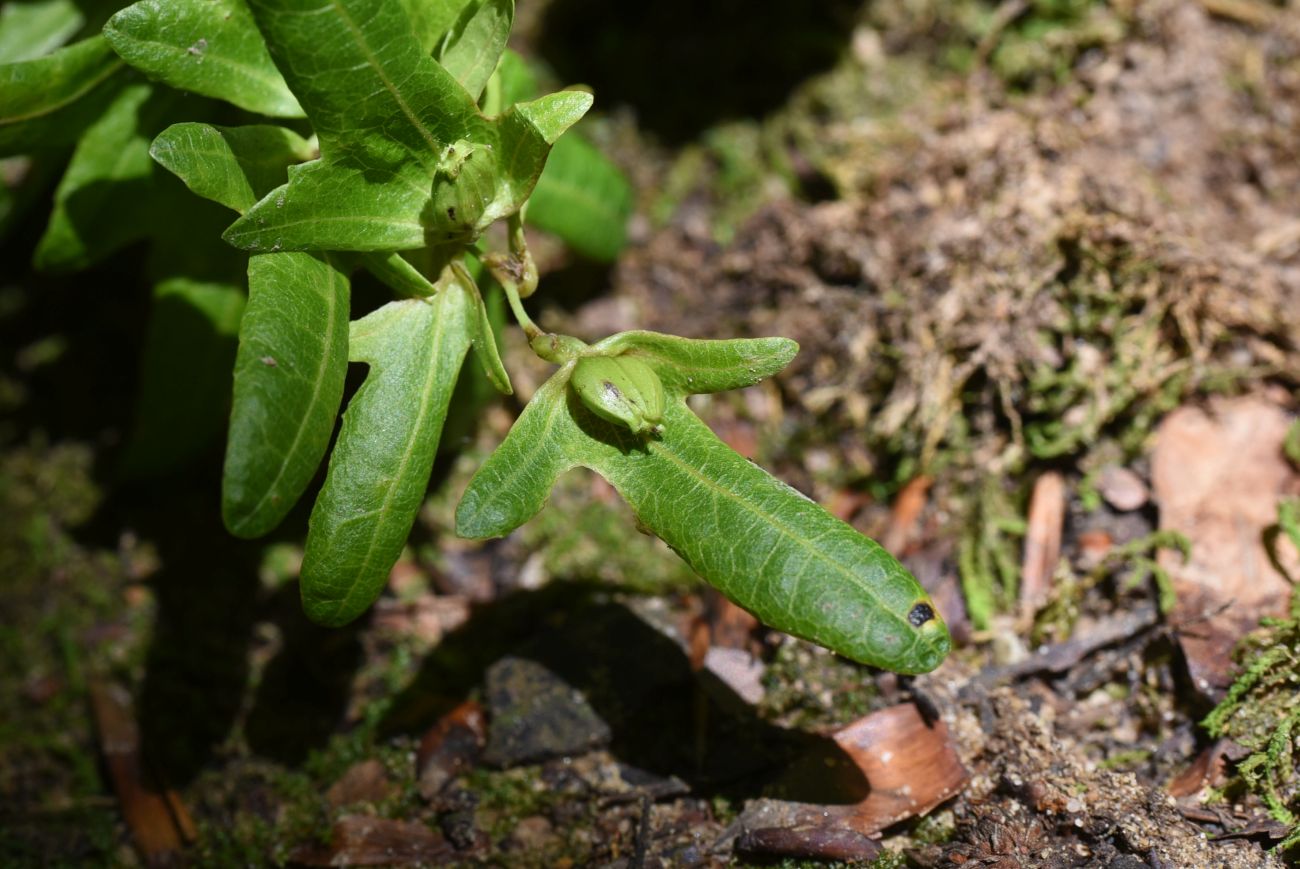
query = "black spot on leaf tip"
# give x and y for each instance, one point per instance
(920, 614)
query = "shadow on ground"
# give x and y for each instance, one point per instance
(685, 65)
(637, 681)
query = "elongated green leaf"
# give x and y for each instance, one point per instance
(513, 484)
(185, 374)
(583, 198)
(107, 194)
(210, 47)
(47, 102)
(474, 44)
(770, 549)
(692, 367)
(32, 28)
(767, 547)
(380, 466)
(289, 374)
(235, 166)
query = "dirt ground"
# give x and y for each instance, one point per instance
(1043, 262)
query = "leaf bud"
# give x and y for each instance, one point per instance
(620, 389)
(464, 184)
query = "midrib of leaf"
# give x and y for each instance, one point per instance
(315, 393)
(350, 218)
(386, 506)
(679, 366)
(660, 448)
(71, 98)
(364, 46)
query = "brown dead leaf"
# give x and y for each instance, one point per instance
(1042, 540)
(159, 823)
(450, 747)
(910, 766)
(1217, 477)
(360, 840)
(364, 782)
(1206, 770)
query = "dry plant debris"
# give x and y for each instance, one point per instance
(1218, 477)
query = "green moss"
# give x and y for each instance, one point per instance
(56, 591)
(809, 688)
(1260, 714)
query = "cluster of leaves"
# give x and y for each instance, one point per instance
(424, 132)
(1260, 712)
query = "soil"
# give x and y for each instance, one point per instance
(1005, 264)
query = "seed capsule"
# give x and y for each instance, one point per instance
(464, 185)
(620, 389)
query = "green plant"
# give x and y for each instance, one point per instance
(423, 134)
(1259, 712)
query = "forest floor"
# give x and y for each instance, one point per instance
(1043, 261)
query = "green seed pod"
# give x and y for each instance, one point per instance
(620, 389)
(464, 184)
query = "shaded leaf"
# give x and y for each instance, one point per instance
(32, 28)
(395, 271)
(234, 166)
(210, 47)
(47, 102)
(431, 19)
(485, 341)
(380, 466)
(472, 47)
(583, 198)
(185, 374)
(105, 199)
(289, 375)
(518, 84)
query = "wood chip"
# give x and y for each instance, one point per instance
(905, 515)
(1042, 540)
(159, 824)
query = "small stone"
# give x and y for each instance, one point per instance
(535, 715)
(1123, 489)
